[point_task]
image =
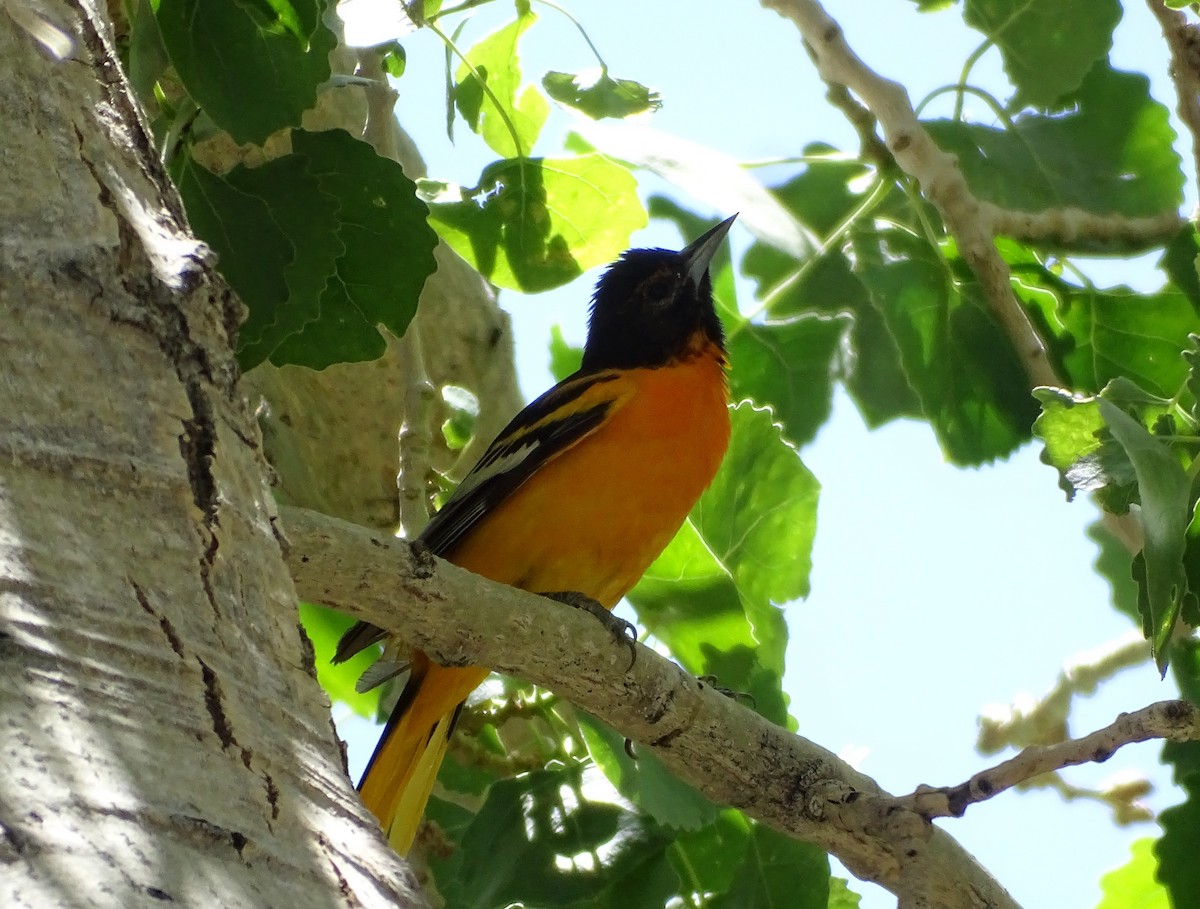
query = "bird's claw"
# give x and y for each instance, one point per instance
(711, 682)
(623, 632)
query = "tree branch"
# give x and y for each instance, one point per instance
(1183, 38)
(971, 221)
(1176, 721)
(1066, 225)
(728, 752)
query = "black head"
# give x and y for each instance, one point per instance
(650, 304)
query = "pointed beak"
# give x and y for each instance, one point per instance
(698, 254)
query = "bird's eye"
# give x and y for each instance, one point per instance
(659, 288)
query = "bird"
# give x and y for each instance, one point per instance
(574, 499)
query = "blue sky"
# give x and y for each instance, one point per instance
(936, 591)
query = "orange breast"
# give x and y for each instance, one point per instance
(593, 519)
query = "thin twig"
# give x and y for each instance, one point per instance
(1066, 225)
(415, 437)
(968, 219)
(863, 121)
(380, 129)
(1183, 39)
(415, 441)
(1176, 721)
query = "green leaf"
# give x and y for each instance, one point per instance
(1133, 886)
(325, 628)
(960, 363)
(869, 364)
(564, 358)
(147, 56)
(254, 253)
(270, 61)
(1070, 426)
(1191, 569)
(602, 97)
(1082, 448)
(300, 17)
(708, 860)
(1180, 843)
(1176, 851)
(395, 59)
(497, 64)
(1118, 332)
(1179, 263)
(710, 176)
(308, 217)
(646, 782)
(1047, 48)
(778, 871)
(1185, 667)
(1112, 564)
(1190, 398)
(827, 190)
(650, 883)
(536, 223)
(388, 252)
(537, 841)
(1163, 490)
(788, 365)
(841, 896)
(758, 515)
(462, 408)
(1112, 151)
(711, 596)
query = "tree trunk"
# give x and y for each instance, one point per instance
(162, 734)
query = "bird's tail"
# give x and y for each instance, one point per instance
(400, 776)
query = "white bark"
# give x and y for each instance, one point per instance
(162, 736)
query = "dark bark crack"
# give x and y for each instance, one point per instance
(216, 708)
(272, 796)
(164, 623)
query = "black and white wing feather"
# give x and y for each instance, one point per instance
(551, 425)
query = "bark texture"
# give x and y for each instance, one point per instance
(162, 734)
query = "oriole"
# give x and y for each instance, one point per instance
(579, 493)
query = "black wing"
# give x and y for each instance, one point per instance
(564, 415)
(546, 428)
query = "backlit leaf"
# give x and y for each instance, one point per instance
(1133, 885)
(790, 366)
(956, 358)
(712, 595)
(536, 223)
(497, 64)
(1074, 34)
(601, 97)
(1111, 151)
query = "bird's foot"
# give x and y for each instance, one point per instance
(623, 632)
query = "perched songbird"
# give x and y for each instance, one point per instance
(579, 493)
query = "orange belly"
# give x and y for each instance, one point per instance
(597, 516)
